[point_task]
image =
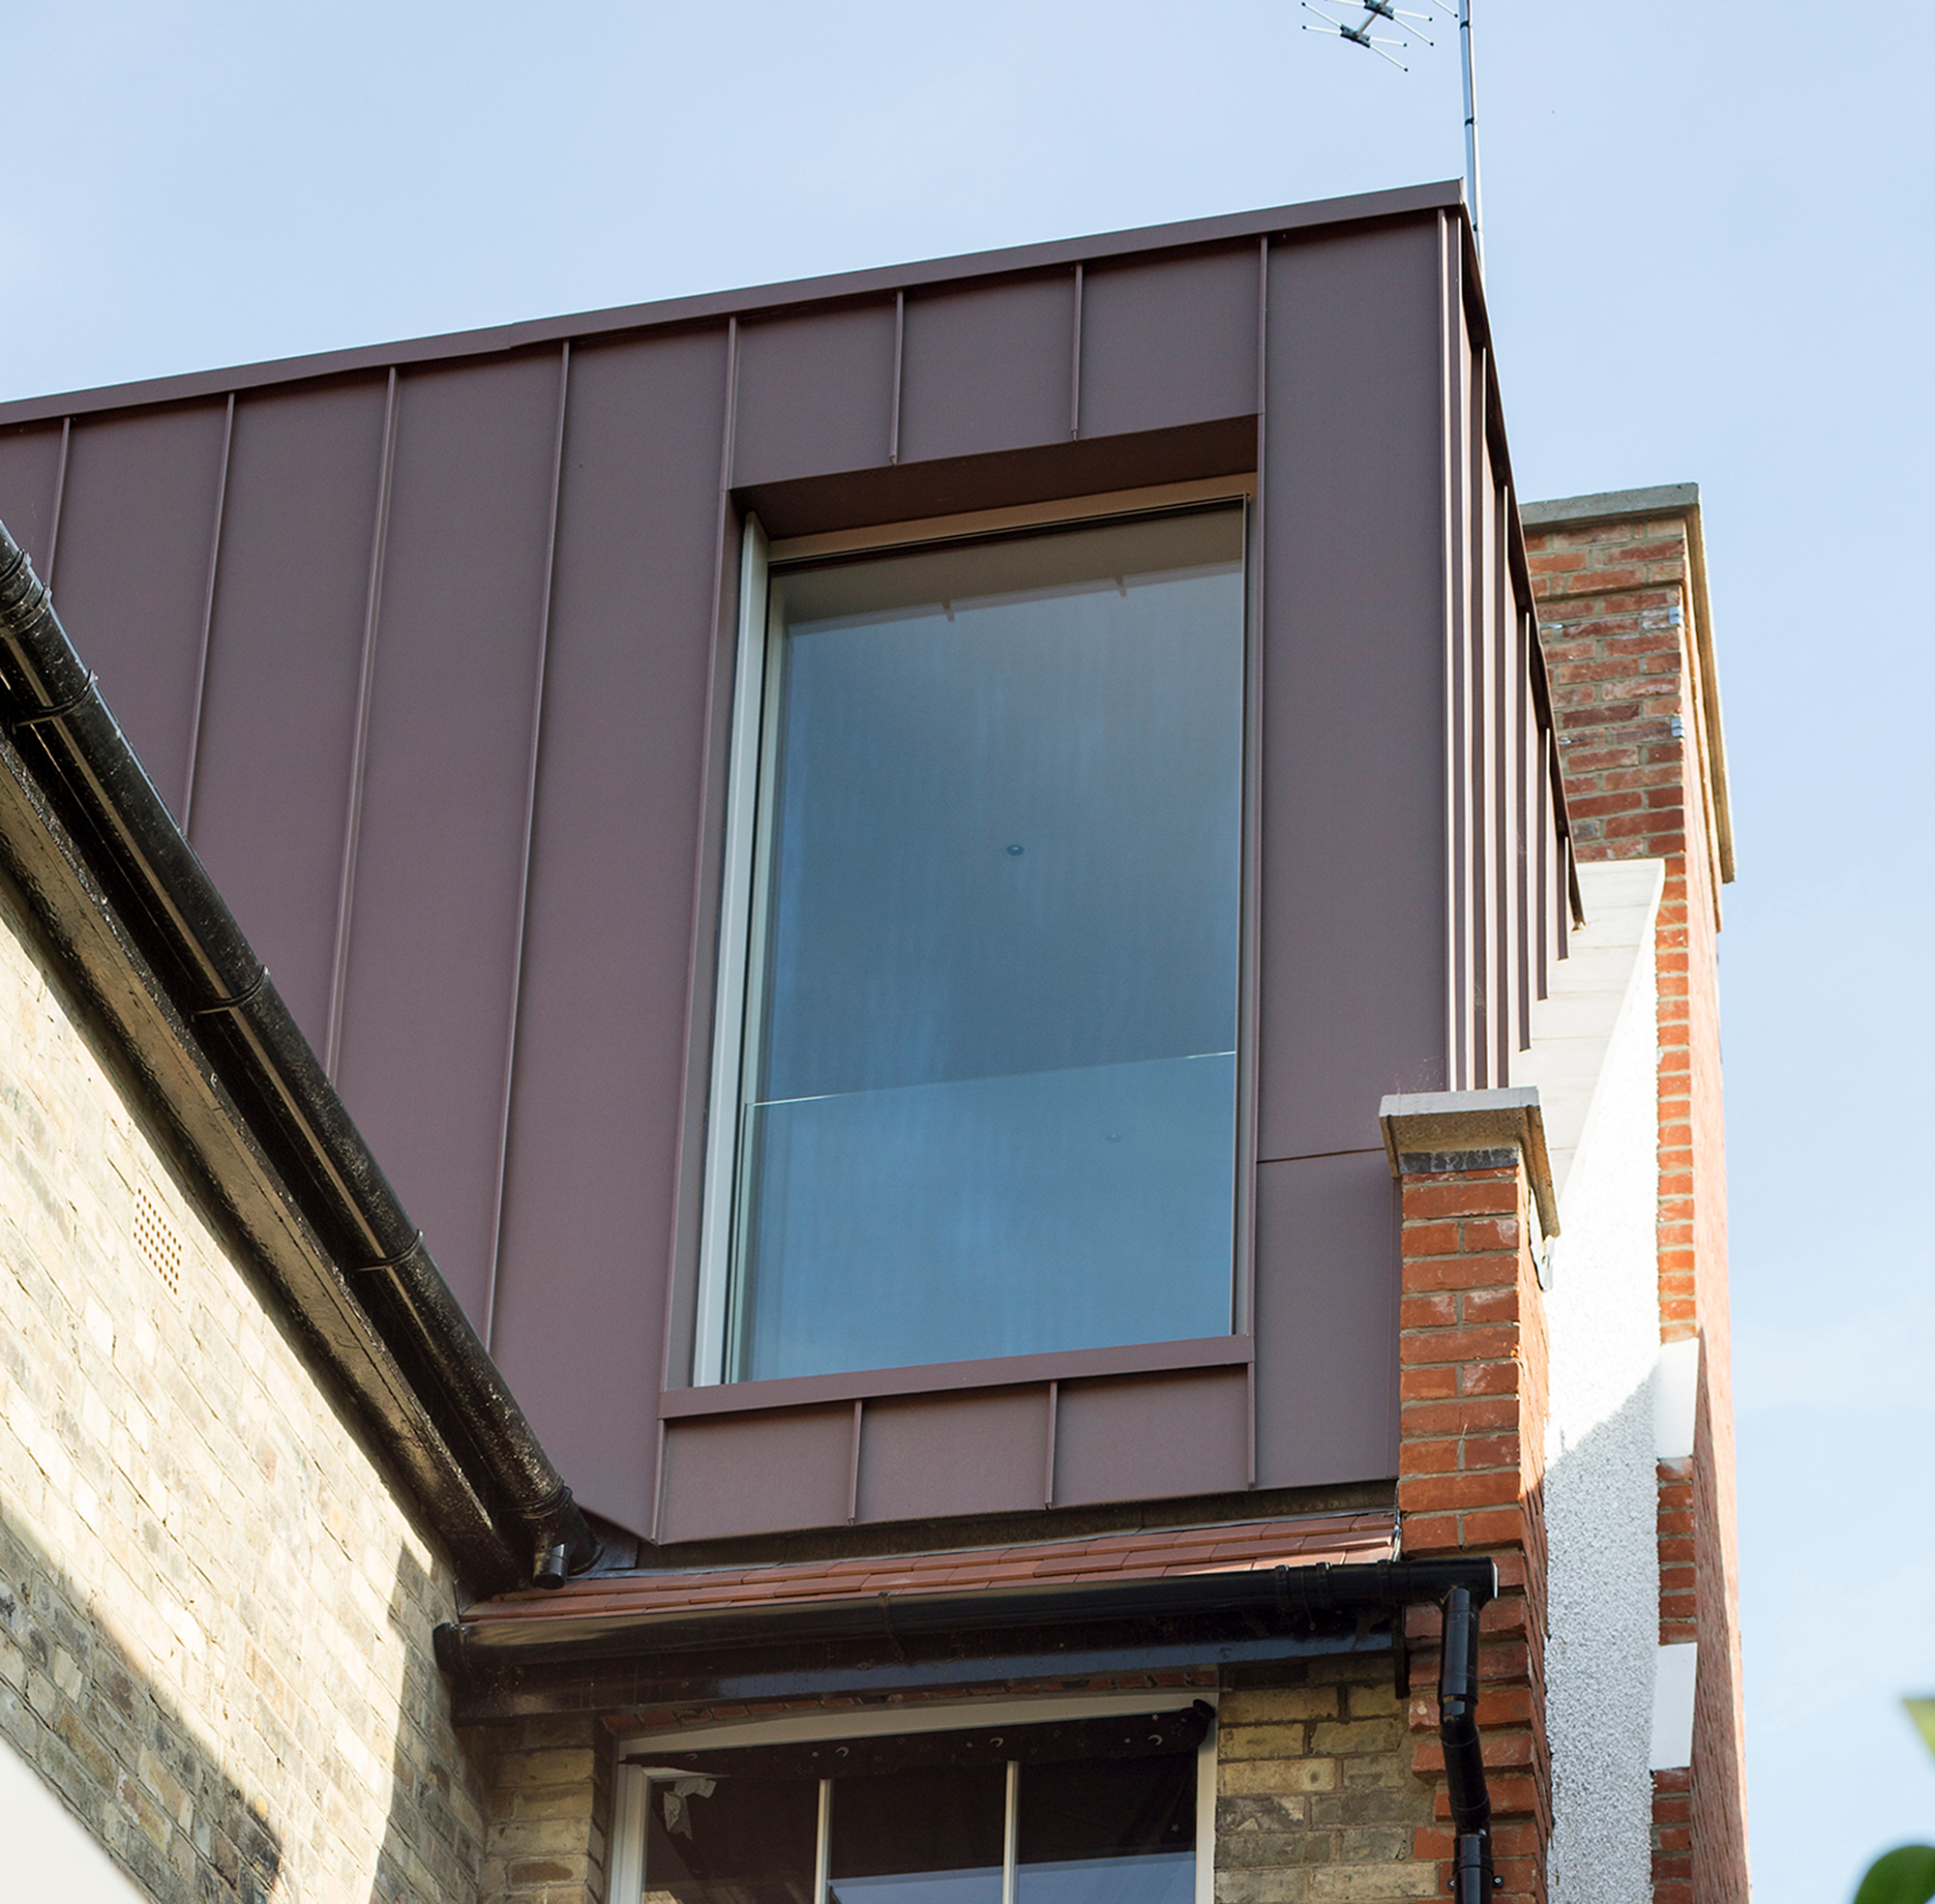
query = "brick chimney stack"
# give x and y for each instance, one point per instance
(1621, 584)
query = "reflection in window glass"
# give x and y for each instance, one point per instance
(927, 1835)
(989, 1101)
(1108, 1831)
(731, 1841)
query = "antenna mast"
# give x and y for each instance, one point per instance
(1471, 125)
(1359, 34)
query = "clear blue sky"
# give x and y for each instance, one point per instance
(1709, 257)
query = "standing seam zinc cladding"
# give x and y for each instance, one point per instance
(1152, 338)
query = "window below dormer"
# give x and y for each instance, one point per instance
(1100, 1811)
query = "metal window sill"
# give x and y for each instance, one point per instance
(948, 1378)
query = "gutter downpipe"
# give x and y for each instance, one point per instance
(94, 779)
(1461, 1590)
(1471, 1874)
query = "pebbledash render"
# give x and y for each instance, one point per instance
(903, 1089)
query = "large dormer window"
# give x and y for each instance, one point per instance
(976, 1078)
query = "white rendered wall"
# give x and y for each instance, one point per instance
(1594, 1059)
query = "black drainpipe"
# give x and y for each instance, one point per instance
(1471, 1874)
(90, 775)
(1461, 1590)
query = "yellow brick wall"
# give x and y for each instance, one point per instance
(214, 1612)
(1316, 1799)
(550, 1812)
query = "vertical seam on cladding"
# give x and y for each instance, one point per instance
(728, 452)
(900, 348)
(1505, 828)
(1243, 1284)
(1453, 1075)
(695, 961)
(1075, 364)
(658, 1481)
(853, 1461)
(1546, 885)
(352, 824)
(1458, 751)
(1485, 757)
(524, 861)
(207, 619)
(1250, 1421)
(60, 496)
(1053, 1422)
(1524, 824)
(1487, 762)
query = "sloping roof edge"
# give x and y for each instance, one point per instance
(155, 947)
(756, 299)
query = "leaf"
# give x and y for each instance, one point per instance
(1905, 1875)
(1923, 1712)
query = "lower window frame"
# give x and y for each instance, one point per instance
(632, 1782)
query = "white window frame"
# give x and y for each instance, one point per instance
(631, 1788)
(742, 885)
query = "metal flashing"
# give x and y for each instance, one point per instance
(1611, 506)
(1472, 1125)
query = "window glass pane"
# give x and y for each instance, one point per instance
(991, 1091)
(929, 1836)
(1111, 1832)
(741, 1841)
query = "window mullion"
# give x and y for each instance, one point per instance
(822, 1850)
(1011, 1812)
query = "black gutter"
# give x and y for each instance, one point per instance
(885, 1641)
(95, 787)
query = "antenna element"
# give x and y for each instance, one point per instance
(1359, 34)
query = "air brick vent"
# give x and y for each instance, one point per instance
(157, 1241)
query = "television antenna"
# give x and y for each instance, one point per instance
(1358, 33)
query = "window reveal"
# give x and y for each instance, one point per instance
(987, 1073)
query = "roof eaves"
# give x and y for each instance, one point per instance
(124, 898)
(601, 1604)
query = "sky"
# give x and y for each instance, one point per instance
(1709, 257)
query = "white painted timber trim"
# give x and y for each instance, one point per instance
(1676, 1388)
(949, 1715)
(630, 1794)
(1572, 1028)
(1674, 1673)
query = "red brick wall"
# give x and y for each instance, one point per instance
(1471, 1481)
(1618, 614)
